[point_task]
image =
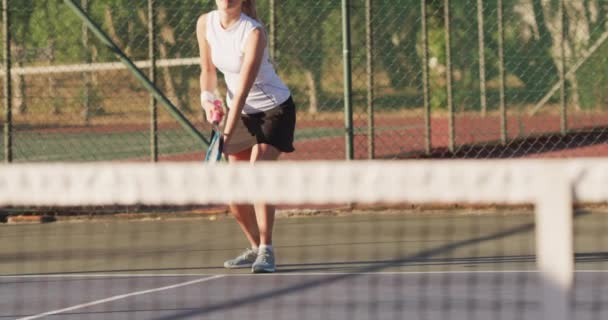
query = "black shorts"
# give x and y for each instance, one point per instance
(274, 127)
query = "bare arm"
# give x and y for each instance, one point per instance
(208, 77)
(254, 51)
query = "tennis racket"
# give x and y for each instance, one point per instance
(216, 142)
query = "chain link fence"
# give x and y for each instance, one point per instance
(441, 79)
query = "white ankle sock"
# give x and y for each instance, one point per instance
(265, 247)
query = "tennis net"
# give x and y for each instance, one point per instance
(353, 240)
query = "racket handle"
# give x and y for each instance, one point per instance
(218, 113)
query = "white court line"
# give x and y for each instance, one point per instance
(109, 275)
(166, 275)
(399, 273)
(122, 296)
(149, 275)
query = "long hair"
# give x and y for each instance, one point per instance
(249, 9)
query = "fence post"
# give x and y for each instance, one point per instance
(348, 112)
(425, 77)
(449, 75)
(86, 77)
(273, 30)
(370, 78)
(153, 104)
(562, 71)
(8, 114)
(501, 73)
(482, 59)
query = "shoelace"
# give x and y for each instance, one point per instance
(265, 256)
(247, 254)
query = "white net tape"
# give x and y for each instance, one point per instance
(510, 182)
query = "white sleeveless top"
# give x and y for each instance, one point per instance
(227, 52)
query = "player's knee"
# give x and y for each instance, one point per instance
(244, 155)
(266, 152)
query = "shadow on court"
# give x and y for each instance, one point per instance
(344, 252)
(377, 266)
(533, 146)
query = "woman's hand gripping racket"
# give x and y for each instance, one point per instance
(216, 143)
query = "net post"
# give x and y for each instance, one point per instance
(554, 242)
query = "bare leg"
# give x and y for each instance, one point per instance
(264, 213)
(245, 213)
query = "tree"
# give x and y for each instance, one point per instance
(397, 27)
(300, 30)
(583, 21)
(177, 28)
(21, 13)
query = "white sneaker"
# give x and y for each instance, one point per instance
(244, 260)
(264, 263)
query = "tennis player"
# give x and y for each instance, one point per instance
(261, 116)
